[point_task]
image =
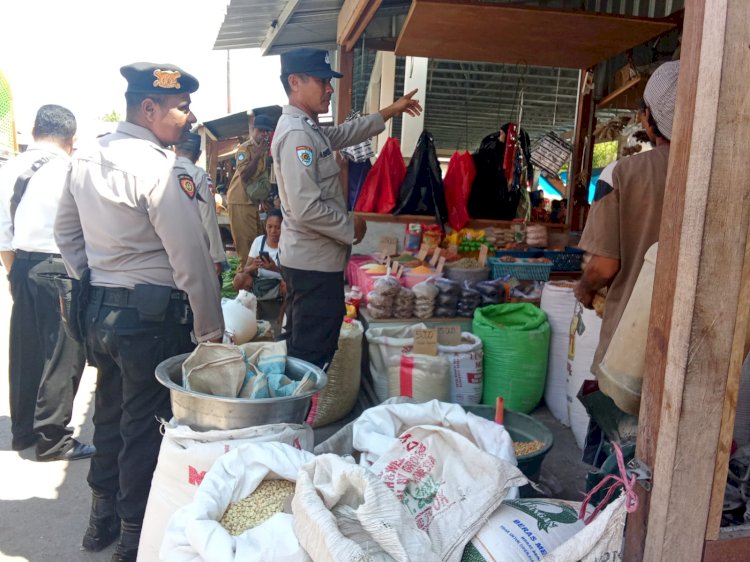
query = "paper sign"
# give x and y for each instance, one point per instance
(423, 249)
(440, 265)
(388, 246)
(449, 335)
(425, 342)
(399, 271)
(483, 254)
(435, 257)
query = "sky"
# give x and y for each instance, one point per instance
(70, 52)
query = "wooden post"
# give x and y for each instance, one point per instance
(579, 171)
(666, 272)
(709, 268)
(344, 106)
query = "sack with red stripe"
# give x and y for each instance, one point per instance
(421, 377)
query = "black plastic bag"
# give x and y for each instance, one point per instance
(422, 192)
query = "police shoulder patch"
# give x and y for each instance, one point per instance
(305, 155)
(187, 185)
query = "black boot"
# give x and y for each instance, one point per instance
(127, 547)
(104, 524)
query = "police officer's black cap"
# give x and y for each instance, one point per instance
(190, 142)
(263, 122)
(314, 62)
(150, 78)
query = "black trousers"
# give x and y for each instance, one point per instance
(45, 365)
(314, 312)
(126, 351)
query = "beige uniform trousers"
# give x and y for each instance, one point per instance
(244, 222)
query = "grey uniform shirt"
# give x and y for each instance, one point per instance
(317, 231)
(128, 213)
(207, 208)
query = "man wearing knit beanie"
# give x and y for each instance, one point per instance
(625, 216)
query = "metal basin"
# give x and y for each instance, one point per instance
(203, 412)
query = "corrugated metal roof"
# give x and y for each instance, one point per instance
(464, 101)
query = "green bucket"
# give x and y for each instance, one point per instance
(521, 427)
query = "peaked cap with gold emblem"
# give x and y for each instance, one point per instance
(150, 78)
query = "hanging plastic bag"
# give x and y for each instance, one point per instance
(422, 192)
(457, 182)
(379, 194)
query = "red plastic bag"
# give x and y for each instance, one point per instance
(379, 194)
(457, 184)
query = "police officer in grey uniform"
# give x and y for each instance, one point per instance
(317, 232)
(188, 150)
(129, 215)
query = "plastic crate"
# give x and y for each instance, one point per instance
(565, 260)
(531, 253)
(521, 269)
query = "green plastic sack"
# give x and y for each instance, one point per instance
(515, 338)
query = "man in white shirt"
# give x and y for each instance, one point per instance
(45, 364)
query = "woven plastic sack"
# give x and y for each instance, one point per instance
(465, 362)
(516, 348)
(421, 377)
(344, 377)
(385, 345)
(558, 302)
(343, 512)
(194, 533)
(186, 456)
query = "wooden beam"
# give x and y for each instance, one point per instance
(344, 106)
(734, 549)
(275, 30)
(468, 30)
(711, 241)
(354, 17)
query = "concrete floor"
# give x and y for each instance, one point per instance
(44, 506)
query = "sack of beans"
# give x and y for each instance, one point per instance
(241, 510)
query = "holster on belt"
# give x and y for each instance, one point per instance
(157, 303)
(74, 298)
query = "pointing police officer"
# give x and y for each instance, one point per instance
(317, 232)
(129, 215)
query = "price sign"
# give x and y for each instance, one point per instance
(483, 254)
(423, 249)
(449, 335)
(425, 342)
(440, 265)
(435, 257)
(388, 246)
(399, 271)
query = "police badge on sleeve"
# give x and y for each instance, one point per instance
(305, 155)
(187, 184)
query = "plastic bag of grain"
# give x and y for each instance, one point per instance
(207, 530)
(185, 457)
(422, 377)
(524, 530)
(344, 376)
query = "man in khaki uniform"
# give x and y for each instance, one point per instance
(188, 150)
(129, 215)
(317, 232)
(244, 217)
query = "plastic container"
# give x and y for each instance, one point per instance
(521, 427)
(462, 274)
(410, 279)
(566, 260)
(620, 373)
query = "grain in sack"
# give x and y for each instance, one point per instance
(196, 531)
(448, 485)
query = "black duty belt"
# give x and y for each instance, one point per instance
(37, 256)
(123, 297)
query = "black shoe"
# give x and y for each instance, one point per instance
(77, 451)
(127, 547)
(104, 524)
(21, 443)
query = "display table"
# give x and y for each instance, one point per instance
(370, 322)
